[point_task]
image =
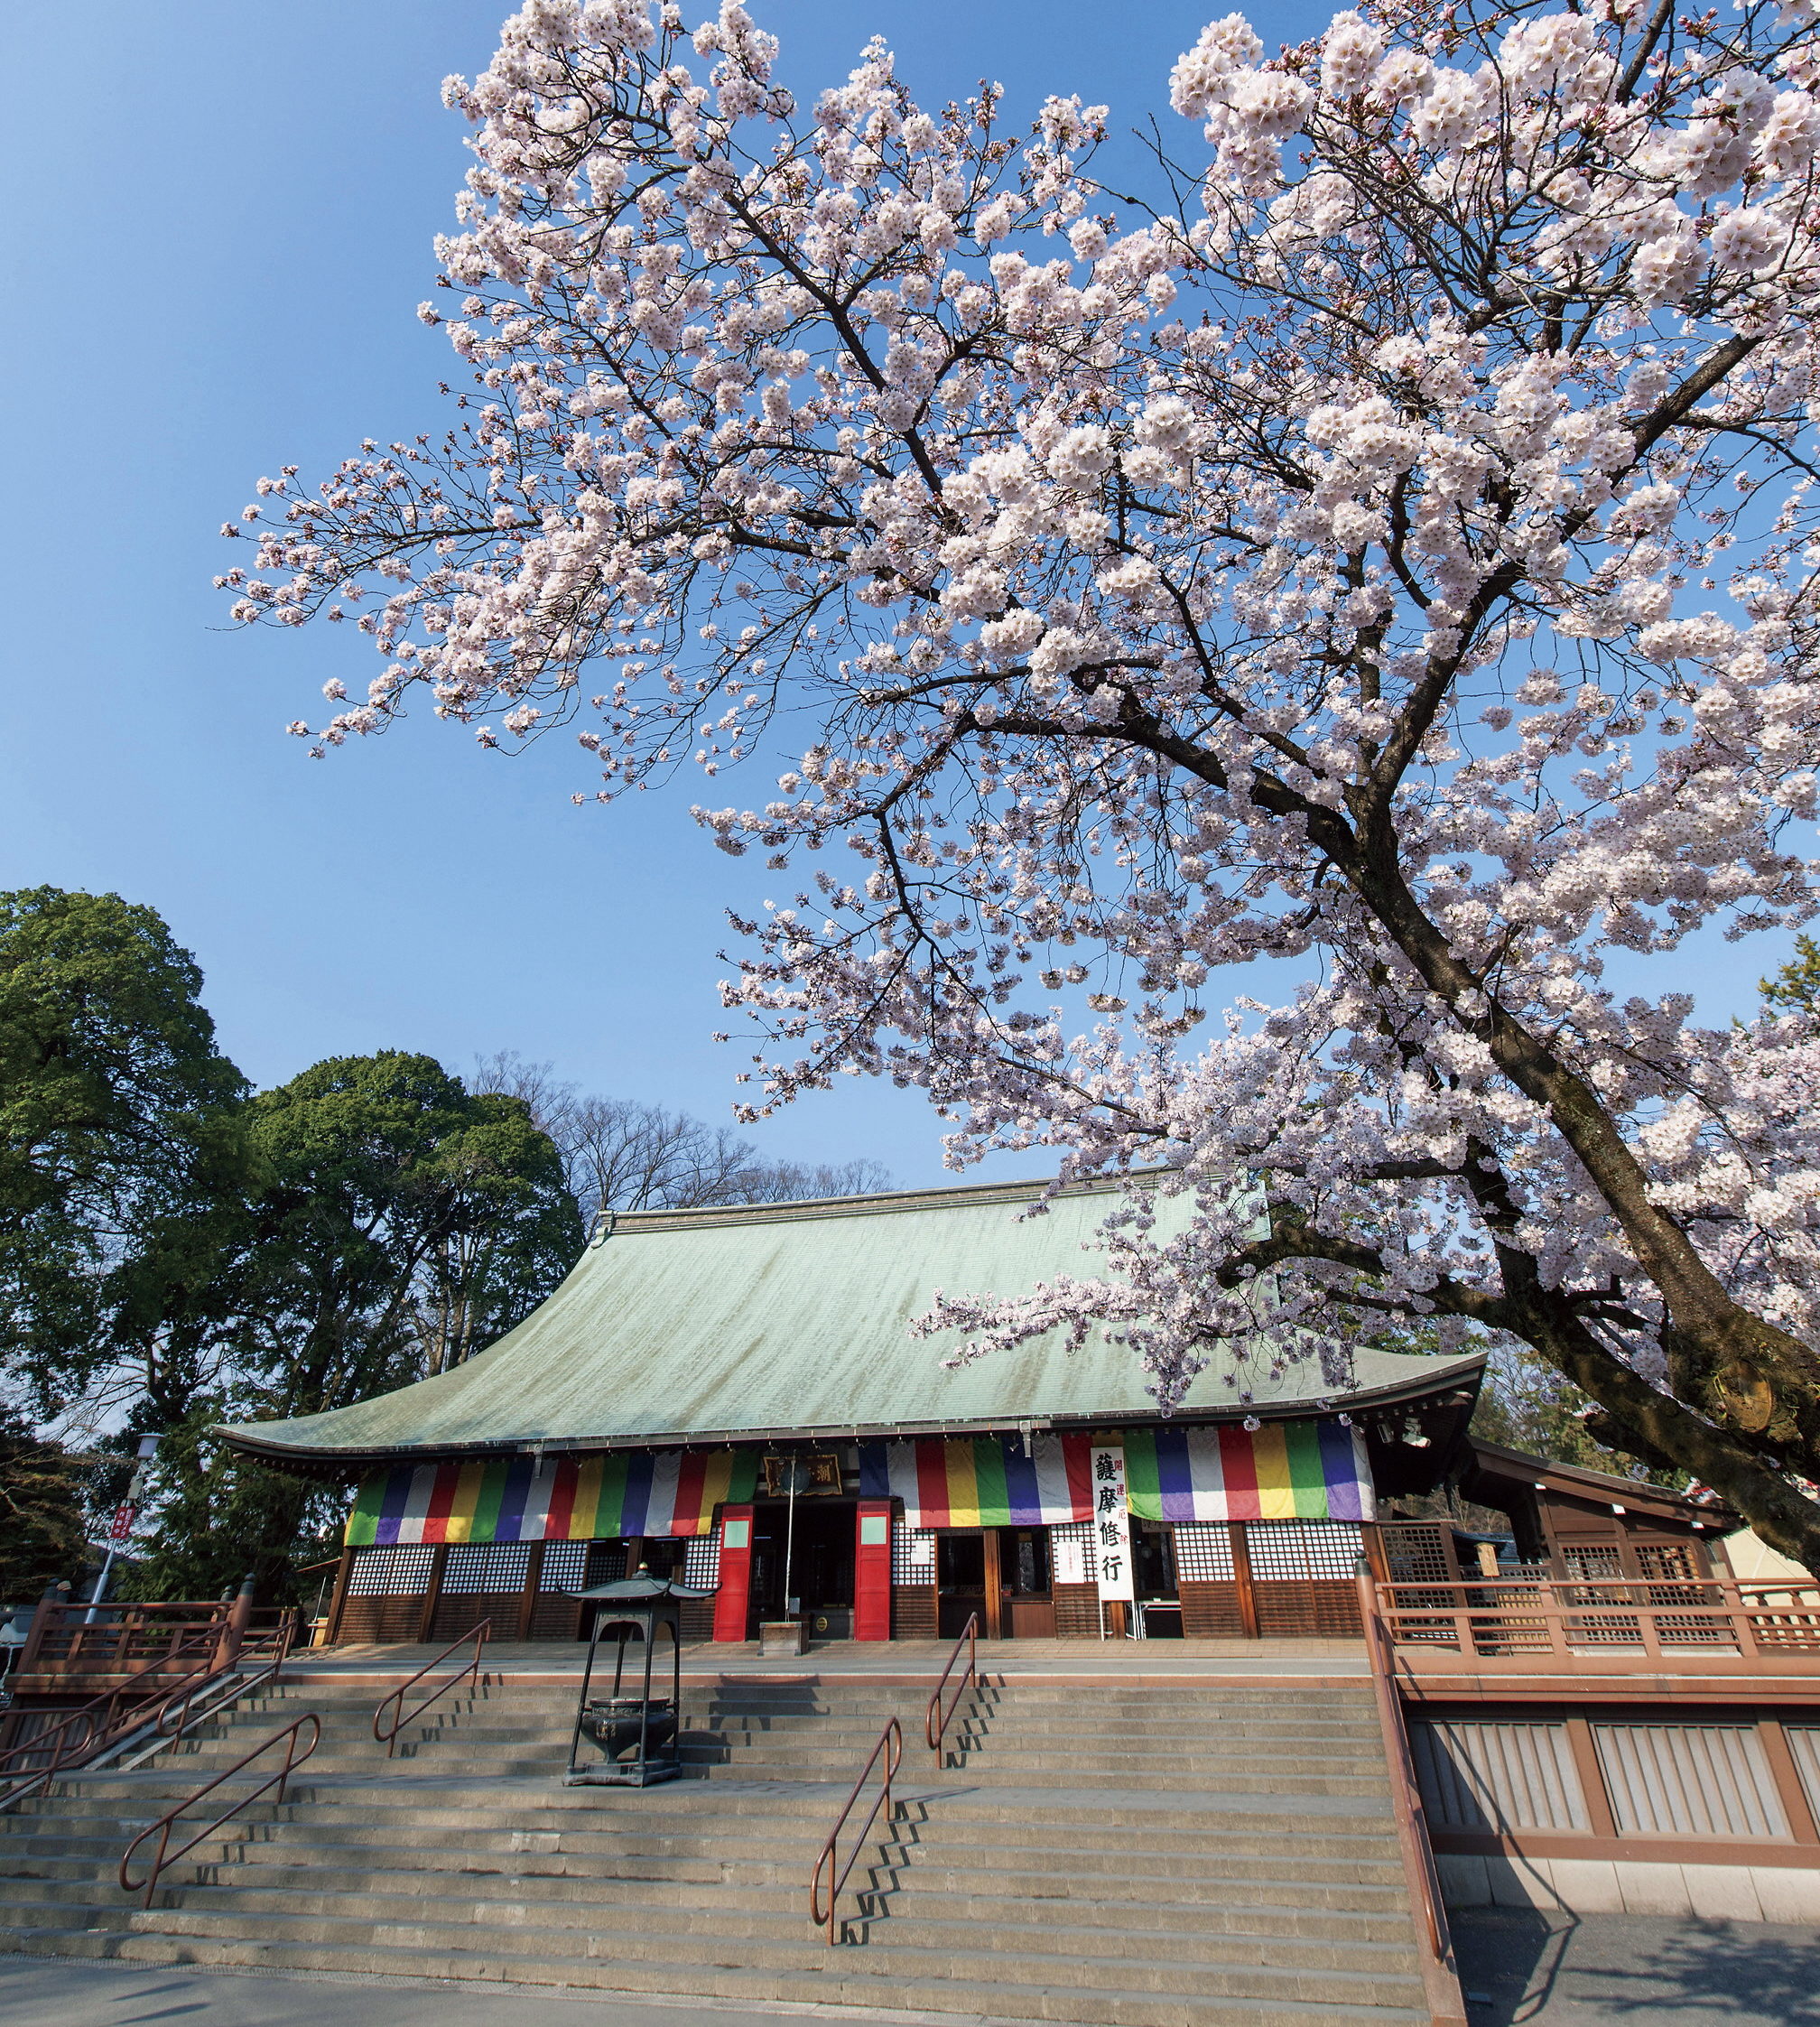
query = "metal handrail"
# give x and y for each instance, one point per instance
(272, 1672)
(933, 1729)
(162, 1827)
(1440, 1979)
(98, 1734)
(890, 1744)
(389, 1739)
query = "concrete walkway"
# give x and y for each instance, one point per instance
(1520, 1970)
(1524, 1969)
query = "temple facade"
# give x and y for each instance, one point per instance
(735, 1396)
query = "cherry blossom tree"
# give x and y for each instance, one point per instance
(1385, 542)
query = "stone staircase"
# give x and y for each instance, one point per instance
(1132, 1857)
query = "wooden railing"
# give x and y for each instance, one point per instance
(162, 1829)
(891, 1744)
(66, 1644)
(936, 1723)
(1440, 1979)
(170, 1706)
(386, 1730)
(1541, 1625)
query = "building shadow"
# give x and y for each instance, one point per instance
(1523, 1968)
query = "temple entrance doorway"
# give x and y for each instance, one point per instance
(1002, 1574)
(821, 1564)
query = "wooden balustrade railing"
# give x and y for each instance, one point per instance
(1529, 1623)
(1440, 1978)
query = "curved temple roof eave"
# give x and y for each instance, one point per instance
(771, 1323)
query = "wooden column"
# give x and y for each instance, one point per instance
(1241, 1579)
(432, 1591)
(1788, 1784)
(1591, 1776)
(527, 1597)
(337, 1599)
(995, 1593)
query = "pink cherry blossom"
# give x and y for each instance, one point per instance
(1390, 548)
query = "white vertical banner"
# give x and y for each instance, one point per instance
(1112, 1523)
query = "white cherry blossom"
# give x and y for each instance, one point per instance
(1388, 547)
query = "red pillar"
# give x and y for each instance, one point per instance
(872, 1570)
(736, 1572)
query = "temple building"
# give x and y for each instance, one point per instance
(735, 1396)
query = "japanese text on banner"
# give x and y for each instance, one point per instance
(1112, 1523)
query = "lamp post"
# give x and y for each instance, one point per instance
(121, 1531)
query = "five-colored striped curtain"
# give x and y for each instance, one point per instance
(1285, 1471)
(555, 1499)
(985, 1481)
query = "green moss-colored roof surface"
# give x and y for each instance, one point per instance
(775, 1320)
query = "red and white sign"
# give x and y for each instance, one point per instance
(122, 1528)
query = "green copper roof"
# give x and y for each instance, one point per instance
(775, 1320)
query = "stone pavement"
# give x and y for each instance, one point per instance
(1521, 1970)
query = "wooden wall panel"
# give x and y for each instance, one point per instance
(1308, 1609)
(1210, 1611)
(459, 1611)
(1077, 1611)
(382, 1619)
(913, 1612)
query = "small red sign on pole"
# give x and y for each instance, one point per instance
(122, 1528)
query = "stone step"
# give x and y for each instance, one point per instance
(830, 1978)
(1155, 1859)
(1147, 1963)
(682, 1926)
(393, 1890)
(1324, 1863)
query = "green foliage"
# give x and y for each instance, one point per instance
(119, 1136)
(403, 1223)
(1795, 988)
(42, 1535)
(177, 1253)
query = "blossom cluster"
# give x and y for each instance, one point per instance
(1401, 565)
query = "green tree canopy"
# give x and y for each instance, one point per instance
(403, 1223)
(119, 1132)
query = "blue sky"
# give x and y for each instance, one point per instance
(217, 226)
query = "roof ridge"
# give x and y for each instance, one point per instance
(870, 1203)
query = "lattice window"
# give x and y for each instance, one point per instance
(1203, 1552)
(701, 1562)
(565, 1566)
(912, 1555)
(487, 1566)
(402, 1570)
(1588, 1561)
(1303, 1551)
(1667, 1561)
(1418, 1552)
(1497, 1777)
(1699, 1781)
(1073, 1531)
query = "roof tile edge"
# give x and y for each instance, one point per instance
(873, 1203)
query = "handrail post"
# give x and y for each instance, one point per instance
(234, 1627)
(934, 1730)
(388, 1737)
(891, 1744)
(1434, 1949)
